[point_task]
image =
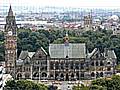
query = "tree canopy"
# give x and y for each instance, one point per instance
(112, 83)
(24, 85)
(31, 41)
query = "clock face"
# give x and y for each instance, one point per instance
(10, 33)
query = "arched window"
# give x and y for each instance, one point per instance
(97, 74)
(51, 75)
(108, 68)
(82, 66)
(62, 76)
(82, 74)
(77, 75)
(72, 75)
(101, 74)
(44, 74)
(51, 65)
(62, 65)
(36, 74)
(92, 74)
(19, 75)
(108, 62)
(71, 65)
(56, 65)
(76, 65)
(101, 63)
(66, 65)
(56, 75)
(97, 63)
(27, 75)
(92, 63)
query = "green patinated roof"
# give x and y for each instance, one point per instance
(71, 50)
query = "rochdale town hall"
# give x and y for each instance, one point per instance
(64, 62)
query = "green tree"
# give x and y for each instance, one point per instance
(112, 83)
(82, 87)
(24, 85)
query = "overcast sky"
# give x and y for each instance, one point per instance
(66, 3)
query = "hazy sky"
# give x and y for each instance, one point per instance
(66, 3)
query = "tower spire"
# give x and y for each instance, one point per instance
(10, 13)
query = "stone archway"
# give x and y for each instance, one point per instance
(56, 76)
(61, 76)
(67, 77)
(35, 75)
(101, 63)
(27, 75)
(101, 74)
(44, 74)
(72, 76)
(19, 76)
(92, 74)
(51, 76)
(77, 76)
(97, 75)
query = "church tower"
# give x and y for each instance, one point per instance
(10, 35)
(88, 21)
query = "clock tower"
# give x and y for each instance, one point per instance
(10, 35)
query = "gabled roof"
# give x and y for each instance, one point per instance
(106, 53)
(30, 54)
(44, 51)
(111, 54)
(10, 13)
(25, 54)
(92, 53)
(71, 50)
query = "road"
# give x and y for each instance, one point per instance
(64, 85)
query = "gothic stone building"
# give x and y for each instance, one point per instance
(32, 65)
(88, 22)
(66, 62)
(10, 42)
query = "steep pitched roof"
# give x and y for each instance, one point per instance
(111, 54)
(92, 53)
(10, 13)
(44, 51)
(71, 50)
(25, 54)
(106, 53)
(30, 54)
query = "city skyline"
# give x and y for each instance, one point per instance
(64, 3)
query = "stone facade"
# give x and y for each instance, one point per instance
(88, 22)
(43, 66)
(32, 65)
(10, 42)
(64, 62)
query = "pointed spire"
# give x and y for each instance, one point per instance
(10, 13)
